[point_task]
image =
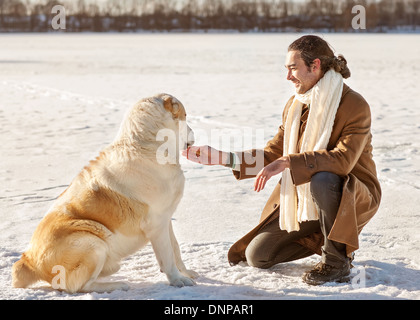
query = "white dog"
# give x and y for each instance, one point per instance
(116, 205)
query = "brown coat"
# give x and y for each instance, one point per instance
(349, 155)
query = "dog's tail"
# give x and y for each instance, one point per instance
(22, 273)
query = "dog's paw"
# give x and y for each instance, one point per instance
(182, 282)
(102, 287)
(190, 274)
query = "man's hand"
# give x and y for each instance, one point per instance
(206, 155)
(269, 171)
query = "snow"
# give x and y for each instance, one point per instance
(62, 98)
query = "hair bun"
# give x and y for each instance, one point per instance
(340, 65)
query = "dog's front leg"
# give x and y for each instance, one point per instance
(177, 252)
(162, 246)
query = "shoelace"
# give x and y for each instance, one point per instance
(324, 269)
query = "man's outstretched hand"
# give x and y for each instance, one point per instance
(209, 156)
(274, 168)
(206, 155)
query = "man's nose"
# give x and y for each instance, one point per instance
(289, 75)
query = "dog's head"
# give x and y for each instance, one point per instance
(176, 109)
(157, 126)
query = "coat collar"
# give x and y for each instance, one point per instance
(346, 89)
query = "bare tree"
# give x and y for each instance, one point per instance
(131, 15)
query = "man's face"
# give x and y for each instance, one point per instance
(302, 76)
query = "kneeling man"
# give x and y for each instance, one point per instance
(329, 188)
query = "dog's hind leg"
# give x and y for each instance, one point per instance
(86, 266)
(162, 246)
(110, 267)
(95, 286)
(177, 253)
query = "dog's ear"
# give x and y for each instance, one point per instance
(171, 106)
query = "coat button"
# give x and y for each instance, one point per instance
(311, 166)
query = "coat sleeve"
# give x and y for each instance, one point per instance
(355, 115)
(253, 161)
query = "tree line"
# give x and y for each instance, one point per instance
(197, 15)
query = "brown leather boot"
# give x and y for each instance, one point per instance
(323, 273)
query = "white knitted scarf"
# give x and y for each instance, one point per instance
(296, 203)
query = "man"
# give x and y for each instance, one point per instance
(329, 188)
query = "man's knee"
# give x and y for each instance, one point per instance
(324, 184)
(255, 259)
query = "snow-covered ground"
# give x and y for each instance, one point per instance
(62, 98)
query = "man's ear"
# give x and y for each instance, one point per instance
(316, 65)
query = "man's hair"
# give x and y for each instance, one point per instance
(313, 47)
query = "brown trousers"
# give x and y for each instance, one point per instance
(272, 245)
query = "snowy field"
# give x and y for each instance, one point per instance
(62, 98)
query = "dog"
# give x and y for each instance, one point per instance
(120, 202)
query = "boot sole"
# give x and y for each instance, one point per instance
(313, 282)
